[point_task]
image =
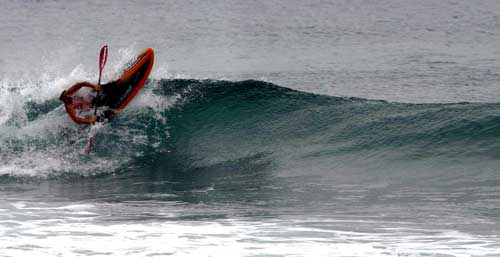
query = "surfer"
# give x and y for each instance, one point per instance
(87, 103)
(81, 107)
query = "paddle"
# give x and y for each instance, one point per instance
(103, 57)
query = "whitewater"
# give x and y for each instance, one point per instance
(267, 128)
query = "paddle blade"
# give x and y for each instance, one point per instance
(90, 145)
(103, 57)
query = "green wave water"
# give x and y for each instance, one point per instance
(204, 123)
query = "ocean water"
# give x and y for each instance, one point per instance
(267, 128)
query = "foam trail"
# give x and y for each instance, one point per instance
(230, 237)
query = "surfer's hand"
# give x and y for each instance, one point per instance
(95, 87)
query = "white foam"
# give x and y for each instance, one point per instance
(39, 147)
(149, 100)
(75, 207)
(231, 238)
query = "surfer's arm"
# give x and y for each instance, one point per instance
(70, 109)
(95, 87)
(77, 86)
(67, 98)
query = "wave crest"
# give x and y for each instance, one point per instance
(187, 124)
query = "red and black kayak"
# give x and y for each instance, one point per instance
(83, 99)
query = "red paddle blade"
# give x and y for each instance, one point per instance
(103, 57)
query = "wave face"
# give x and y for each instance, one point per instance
(191, 124)
(198, 134)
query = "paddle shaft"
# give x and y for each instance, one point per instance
(103, 57)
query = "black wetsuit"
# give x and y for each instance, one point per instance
(108, 96)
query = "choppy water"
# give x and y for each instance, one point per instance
(273, 128)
